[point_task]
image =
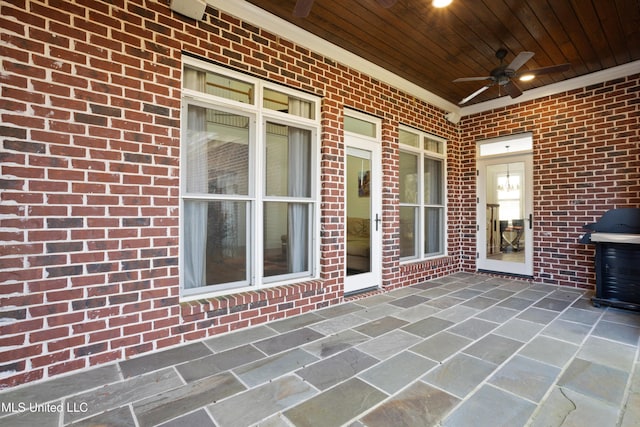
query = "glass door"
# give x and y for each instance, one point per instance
(363, 224)
(505, 219)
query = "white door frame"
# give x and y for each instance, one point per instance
(372, 279)
(501, 266)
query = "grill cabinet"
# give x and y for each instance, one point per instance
(616, 237)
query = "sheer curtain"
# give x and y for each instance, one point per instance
(196, 212)
(433, 186)
(299, 185)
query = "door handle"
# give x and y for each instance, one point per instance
(377, 220)
(530, 221)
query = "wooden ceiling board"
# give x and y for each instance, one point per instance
(431, 47)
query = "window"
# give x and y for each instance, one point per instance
(249, 174)
(422, 195)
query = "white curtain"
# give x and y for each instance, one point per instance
(433, 183)
(299, 184)
(195, 215)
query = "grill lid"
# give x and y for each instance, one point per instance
(622, 221)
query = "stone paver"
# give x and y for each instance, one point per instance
(493, 348)
(264, 370)
(418, 405)
(549, 350)
(460, 374)
(336, 369)
(121, 393)
(595, 380)
(398, 371)
(525, 377)
(389, 344)
(219, 362)
(258, 403)
(491, 407)
(336, 406)
(465, 349)
(162, 359)
(440, 346)
(166, 405)
(567, 408)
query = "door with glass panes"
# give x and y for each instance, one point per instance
(505, 208)
(363, 222)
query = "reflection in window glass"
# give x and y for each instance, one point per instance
(359, 126)
(288, 161)
(278, 101)
(218, 85)
(434, 146)
(217, 145)
(216, 242)
(408, 226)
(433, 244)
(409, 177)
(286, 238)
(433, 185)
(409, 138)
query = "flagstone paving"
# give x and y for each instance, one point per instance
(463, 350)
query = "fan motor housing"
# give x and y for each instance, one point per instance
(502, 75)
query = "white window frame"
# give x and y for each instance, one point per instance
(259, 116)
(422, 153)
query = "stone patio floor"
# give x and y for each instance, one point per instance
(464, 350)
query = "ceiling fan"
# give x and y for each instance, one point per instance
(303, 7)
(503, 75)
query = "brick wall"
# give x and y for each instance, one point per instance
(90, 138)
(586, 161)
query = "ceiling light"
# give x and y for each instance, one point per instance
(527, 77)
(441, 3)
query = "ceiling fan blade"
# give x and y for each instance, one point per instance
(387, 3)
(519, 60)
(474, 94)
(302, 8)
(547, 70)
(471, 79)
(512, 89)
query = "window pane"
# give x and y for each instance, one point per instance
(285, 103)
(217, 145)
(215, 242)
(408, 227)
(513, 144)
(434, 146)
(358, 226)
(433, 181)
(362, 127)
(218, 85)
(288, 161)
(286, 238)
(433, 244)
(409, 138)
(408, 178)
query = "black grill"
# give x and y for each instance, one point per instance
(616, 237)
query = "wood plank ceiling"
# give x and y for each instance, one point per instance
(431, 47)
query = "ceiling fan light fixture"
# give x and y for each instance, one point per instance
(441, 3)
(527, 77)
